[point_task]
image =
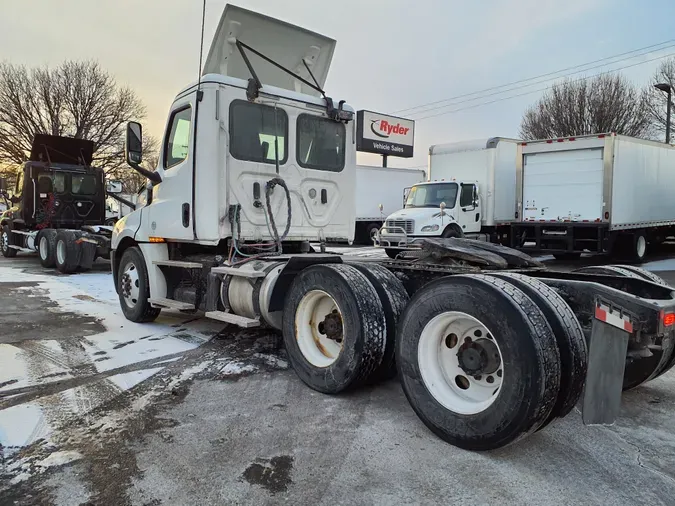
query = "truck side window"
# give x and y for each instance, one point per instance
(321, 143)
(178, 140)
(466, 197)
(253, 129)
(83, 184)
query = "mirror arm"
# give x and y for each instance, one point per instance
(152, 176)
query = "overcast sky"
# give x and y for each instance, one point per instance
(390, 54)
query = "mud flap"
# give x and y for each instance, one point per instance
(607, 351)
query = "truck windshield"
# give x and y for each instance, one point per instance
(431, 195)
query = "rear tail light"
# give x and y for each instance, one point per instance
(668, 319)
(606, 215)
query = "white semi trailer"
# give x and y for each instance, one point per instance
(379, 191)
(601, 193)
(257, 161)
(475, 184)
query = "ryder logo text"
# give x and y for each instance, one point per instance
(382, 128)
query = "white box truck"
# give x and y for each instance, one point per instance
(380, 186)
(602, 193)
(475, 184)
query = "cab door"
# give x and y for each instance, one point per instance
(469, 209)
(170, 214)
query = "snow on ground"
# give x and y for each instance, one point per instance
(42, 361)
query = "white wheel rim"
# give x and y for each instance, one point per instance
(61, 252)
(442, 375)
(130, 285)
(44, 247)
(5, 241)
(312, 333)
(641, 246)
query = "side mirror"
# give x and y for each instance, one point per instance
(134, 143)
(114, 187)
(3, 185)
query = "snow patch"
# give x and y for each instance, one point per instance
(235, 368)
(60, 458)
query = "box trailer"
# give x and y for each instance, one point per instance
(475, 181)
(379, 192)
(602, 193)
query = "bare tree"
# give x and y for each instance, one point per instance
(657, 100)
(606, 103)
(75, 99)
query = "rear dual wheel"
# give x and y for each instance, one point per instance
(334, 327)
(46, 246)
(478, 361)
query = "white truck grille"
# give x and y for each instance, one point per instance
(394, 226)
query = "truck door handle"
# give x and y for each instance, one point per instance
(186, 215)
(477, 217)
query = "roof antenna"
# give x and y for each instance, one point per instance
(201, 52)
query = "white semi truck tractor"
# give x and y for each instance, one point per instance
(470, 192)
(257, 162)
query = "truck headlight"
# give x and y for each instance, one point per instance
(430, 228)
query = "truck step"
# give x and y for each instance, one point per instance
(241, 272)
(171, 304)
(19, 248)
(240, 321)
(178, 263)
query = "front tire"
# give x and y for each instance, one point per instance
(46, 246)
(134, 288)
(334, 328)
(67, 252)
(478, 362)
(5, 242)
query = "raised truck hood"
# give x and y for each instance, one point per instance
(282, 42)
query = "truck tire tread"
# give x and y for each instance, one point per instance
(528, 399)
(364, 324)
(569, 336)
(394, 299)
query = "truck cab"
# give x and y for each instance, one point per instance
(434, 209)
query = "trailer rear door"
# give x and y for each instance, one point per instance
(563, 185)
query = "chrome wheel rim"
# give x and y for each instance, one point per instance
(61, 252)
(130, 286)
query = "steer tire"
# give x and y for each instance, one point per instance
(363, 324)
(640, 370)
(139, 311)
(5, 241)
(527, 344)
(46, 251)
(394, 299)
(569, 336)
(67, 252)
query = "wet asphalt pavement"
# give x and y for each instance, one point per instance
(94, 410)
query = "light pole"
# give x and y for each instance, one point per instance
(669, 90)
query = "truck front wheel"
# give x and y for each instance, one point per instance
(134, 288)
(5, 241)
(478, 362)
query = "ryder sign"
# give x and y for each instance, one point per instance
(385, 135)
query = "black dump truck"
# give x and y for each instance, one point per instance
(58, 208)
